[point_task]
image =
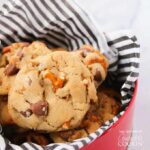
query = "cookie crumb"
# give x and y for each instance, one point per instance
(85, 82)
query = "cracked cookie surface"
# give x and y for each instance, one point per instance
(53, 93)
(95, 61)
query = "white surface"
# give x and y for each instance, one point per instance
(134, 14)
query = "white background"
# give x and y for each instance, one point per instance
(129, 14)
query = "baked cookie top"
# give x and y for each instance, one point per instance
(95, 61)
(53, 93)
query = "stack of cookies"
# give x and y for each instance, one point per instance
(52, 95)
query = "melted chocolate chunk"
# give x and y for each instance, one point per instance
(11, 69)
(5, 97)
(66, 134)
(40, 108)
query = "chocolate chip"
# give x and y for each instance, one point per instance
(84, 53)
(11, 69)
(26, 113)
(5, 97)
(66, 134)
(40, 108)
(98, 76)
(92, 102)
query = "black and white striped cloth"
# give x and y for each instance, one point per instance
(62, 23)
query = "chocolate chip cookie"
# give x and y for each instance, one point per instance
(106, 108)
(53, 93)
(96, 62)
